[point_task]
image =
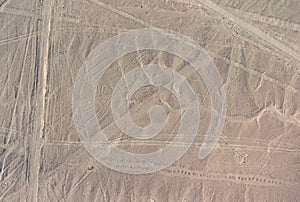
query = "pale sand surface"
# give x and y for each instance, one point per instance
(256, 48)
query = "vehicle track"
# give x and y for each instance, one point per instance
(248, 27)
(15, 11)
(266, 20)
(119, 12)
(258, 145)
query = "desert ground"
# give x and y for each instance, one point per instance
(255, 45)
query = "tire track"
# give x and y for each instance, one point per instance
(11, 164)
(248, 27)
(77, 183)
(19, 161)
(257, 73)
(3, 4)
(75, 28)
(121, 13)
(267, 20)
(222, 146)
(17, 38)
(14, 11)
(20, 81)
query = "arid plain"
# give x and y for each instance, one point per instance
(255, 44)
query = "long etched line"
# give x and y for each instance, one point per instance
(41, 89)
(266, 19)
(121, 13)
(250, 28)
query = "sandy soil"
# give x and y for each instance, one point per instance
(254, 44)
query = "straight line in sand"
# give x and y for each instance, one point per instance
(250, 28)
(35, 145)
